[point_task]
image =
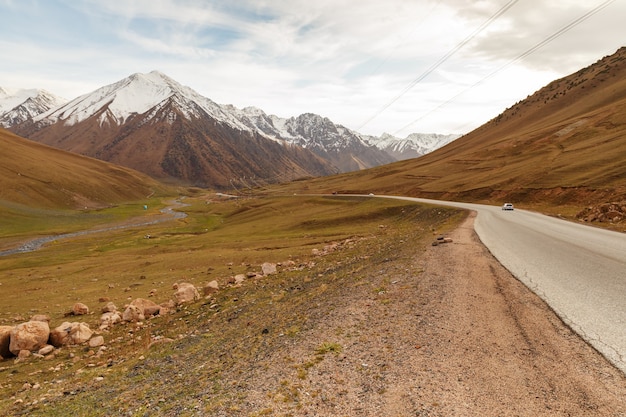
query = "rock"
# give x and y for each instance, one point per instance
(237, 280)
(133, 314)
(268, 268)
(70, 334)
(167, 306)
(5, 338)
(80, 333)
(110, 318)
(47, 349)
(24, 354)
(31, 336)
(80, 309)
(109, 307)
(211, 288)
(185, 293)
(148, 308)
(435, 243)
(96, 341)
(40, 317)
(447, 240)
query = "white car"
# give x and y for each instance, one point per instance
(507, 206)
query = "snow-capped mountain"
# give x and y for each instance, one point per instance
(17, 106)
(136, 95)
(414, 145)
(151, 123)
(345, 148)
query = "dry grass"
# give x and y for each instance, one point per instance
(37, 176)
(212, 337)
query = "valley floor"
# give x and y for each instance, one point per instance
(459, 337)
(405, 329)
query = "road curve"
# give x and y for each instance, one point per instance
(580, 271)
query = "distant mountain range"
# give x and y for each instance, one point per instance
(17, 106)
(152, 123)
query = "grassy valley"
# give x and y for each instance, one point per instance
(322, 245)
(558, 151)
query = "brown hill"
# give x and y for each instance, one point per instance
(37, 175)
(565, 144)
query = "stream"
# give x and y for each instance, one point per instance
(37, 243)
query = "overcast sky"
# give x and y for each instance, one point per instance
(395, 66)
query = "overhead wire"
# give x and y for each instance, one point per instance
(523, 55)
(441, 60)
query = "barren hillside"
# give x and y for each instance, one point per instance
(35, 175)
(563, 145)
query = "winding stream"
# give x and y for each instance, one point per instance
(37, 243)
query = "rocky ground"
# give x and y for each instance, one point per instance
(451, 333)
(391, 326)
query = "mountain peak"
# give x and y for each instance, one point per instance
(137, 94)
(19, 105)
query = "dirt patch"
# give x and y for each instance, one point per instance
(449, 333)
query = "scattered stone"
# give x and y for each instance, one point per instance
(47, 349)
(109, 318)
(96, 341)
(185, 293)
(148, 308)
(31, 336)
(41, 317)
(109, 307)
(70, 334)
(605, 212)
(268, 268)
(211, 288)
(80, 309)
(133, 314)
(167, 306)
(441, 240)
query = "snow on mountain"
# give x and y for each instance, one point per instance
(19, 105)
(346, 149)
(134, 95)
(413, 146)
(157, 98)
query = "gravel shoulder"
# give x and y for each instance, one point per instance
(448, 332)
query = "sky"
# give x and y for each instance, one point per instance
(392, 66)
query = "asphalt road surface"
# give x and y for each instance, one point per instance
(580, 271)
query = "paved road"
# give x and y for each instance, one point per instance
(580, 271)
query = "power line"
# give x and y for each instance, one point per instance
(441, 60)
(523, 55)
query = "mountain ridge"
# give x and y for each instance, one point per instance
(18, 106)
(144, 94)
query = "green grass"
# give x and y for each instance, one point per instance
(223, 336)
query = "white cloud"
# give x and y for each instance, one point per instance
(344, 60)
